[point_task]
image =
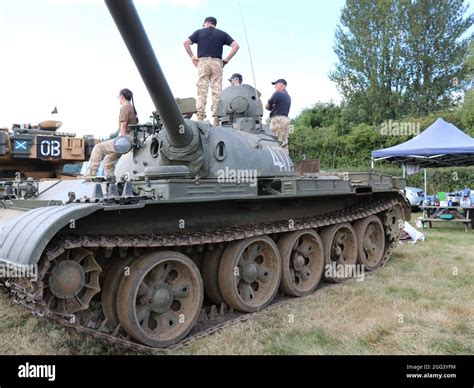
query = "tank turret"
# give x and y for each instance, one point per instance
(240, 107)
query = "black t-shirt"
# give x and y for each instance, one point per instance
(210, 42)
(280, 103)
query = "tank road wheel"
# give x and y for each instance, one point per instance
(393, 222)
(371, 242)
(249, 273)
(302, 257)
(110, 288)
(210, 275)
(340, 249)
(73, 280)
(160, 301)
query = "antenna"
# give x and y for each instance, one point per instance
(250, 51)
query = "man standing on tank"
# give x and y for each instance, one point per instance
(209, 63)
(105, 150)
(279, 106)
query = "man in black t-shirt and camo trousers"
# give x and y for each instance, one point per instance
(279, 106)
(209, 62)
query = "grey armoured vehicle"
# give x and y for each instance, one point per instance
(203, 224)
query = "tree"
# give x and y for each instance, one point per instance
(467, 109)
(399, 57)
(435, 53)
(320, 115)
(366, 43)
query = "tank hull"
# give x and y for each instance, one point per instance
(109, 234)
(200, 236)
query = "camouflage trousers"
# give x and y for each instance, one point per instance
(209, 73)
(106, 151)
(280, 126)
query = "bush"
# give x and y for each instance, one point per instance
(335, 135)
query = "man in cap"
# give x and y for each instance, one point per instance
(279, 106)
(209, 62)
(236, 79)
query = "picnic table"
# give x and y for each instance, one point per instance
(459, 214)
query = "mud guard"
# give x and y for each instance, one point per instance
(23, 240)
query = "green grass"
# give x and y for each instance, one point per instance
(408, 293)
(420, 303)
(450, 346)
(290, 343)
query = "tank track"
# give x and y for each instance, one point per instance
(212, 319)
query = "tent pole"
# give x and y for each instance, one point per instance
(372, 165)
(404, 170)
(426, 184)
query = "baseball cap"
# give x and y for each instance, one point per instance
(211, 19)
(281, 80)
(236, 75)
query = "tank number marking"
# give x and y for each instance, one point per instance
(48, 147)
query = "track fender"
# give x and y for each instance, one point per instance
(23, 240)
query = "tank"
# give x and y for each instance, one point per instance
(202, 226)
(41, 151)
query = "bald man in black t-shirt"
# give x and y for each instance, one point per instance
(209, 62)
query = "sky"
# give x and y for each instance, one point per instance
(69, 54)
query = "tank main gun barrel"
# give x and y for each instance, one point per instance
(131, 28)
